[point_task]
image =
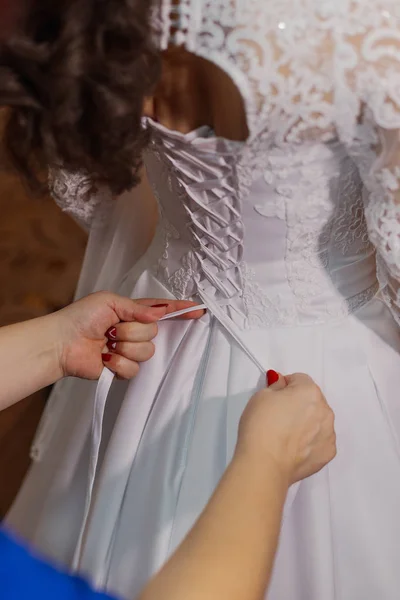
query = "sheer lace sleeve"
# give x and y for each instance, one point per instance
(369, 121)
(382, 203)
(77, 195)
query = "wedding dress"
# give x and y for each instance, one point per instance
(292, 241)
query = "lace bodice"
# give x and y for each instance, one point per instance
(311, 72)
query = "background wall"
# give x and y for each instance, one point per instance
(41, 251)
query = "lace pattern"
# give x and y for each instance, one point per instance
(272, 311)
(309, 71)
(76, 195)
(312, 69)
(293, 59)
(350, 233)
(317, 225)
(383, 216)
(205, 205)
(262, 310)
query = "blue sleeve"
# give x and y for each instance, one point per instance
(24, 576)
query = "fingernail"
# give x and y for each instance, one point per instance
(112, 333)
(272, 377)
(106, 357)
(111, 345)
(160, 306)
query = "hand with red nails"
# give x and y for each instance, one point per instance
(108, 329)
(291, 424)
(77, 341)
(286, 433)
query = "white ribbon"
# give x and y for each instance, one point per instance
(103, 389)
(100, 400)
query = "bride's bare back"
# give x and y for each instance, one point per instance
(194, 92)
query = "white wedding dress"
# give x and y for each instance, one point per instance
(292, 240)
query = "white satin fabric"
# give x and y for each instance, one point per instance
(113, 494)
(278, 237)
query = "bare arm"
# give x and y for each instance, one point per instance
(72, 342)
(230, 551)
(286, 434)
(29, 357)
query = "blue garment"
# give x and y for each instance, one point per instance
(24, 576)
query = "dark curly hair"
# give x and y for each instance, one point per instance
(75, 74)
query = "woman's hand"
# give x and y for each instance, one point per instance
(106, 329)
(286, 433)
(291, 424)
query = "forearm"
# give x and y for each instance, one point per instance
(231, 549)
(29, 358)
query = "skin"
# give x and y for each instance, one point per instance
(243, 517)
(286, 434)
(189, 95)
(73, 342)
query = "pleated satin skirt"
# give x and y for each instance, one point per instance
(168, 435)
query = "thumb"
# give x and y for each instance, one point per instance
(129, 310)
(275, 381)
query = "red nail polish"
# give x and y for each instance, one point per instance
(160, 306)
(112, 333)
(111, 345)
(272, 377)
(106, 357)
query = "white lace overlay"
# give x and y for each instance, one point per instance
(77, 195)
(383, 215)
(313, 69)
(202, 216)
(309, 71)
